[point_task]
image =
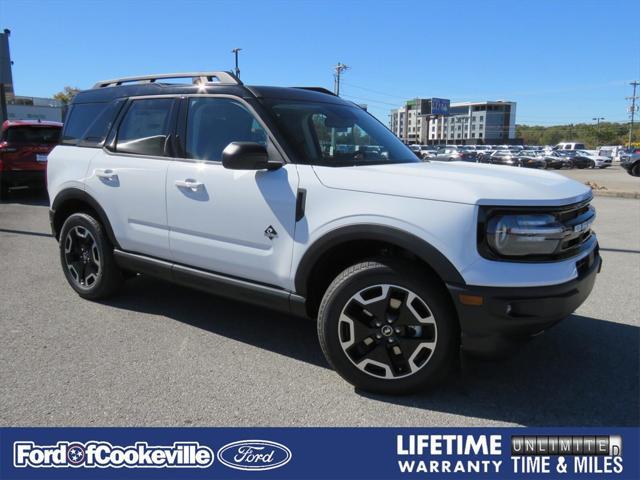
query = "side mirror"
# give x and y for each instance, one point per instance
(247, 156)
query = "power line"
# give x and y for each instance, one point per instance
(371, 100)
(375, 91)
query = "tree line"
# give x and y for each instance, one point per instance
(592, 135)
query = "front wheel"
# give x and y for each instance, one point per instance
(87, 257)
(388, 327)
(635, 171)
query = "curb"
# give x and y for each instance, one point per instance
(616, 194)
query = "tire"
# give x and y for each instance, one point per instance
(4, 190)
(389, 286)
(592, 164)
(86, 256)
(635, 170)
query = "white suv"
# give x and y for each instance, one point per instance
(241, 191)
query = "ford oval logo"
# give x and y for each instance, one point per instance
(254, 455)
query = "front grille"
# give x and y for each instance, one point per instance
(577, 221)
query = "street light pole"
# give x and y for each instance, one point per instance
(237, 70)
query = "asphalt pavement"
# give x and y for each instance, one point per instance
(610, 181)
(159, 354)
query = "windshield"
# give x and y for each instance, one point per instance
(337, 135)
(27, 134)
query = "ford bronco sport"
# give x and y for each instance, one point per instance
(241, 191)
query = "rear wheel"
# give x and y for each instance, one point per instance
(387, 327)
(635, 170)
(87, 257)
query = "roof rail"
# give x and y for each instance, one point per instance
(223, 78)
(317, 89)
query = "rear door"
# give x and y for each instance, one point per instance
(128, 176)
(238, 223)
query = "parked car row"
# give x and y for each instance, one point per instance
(515, 155)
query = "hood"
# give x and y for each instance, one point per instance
(460, 182)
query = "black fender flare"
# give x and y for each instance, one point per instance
(76, 194)
(394, 236)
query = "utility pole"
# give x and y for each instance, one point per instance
(339, 68)
(632, 108)
(236, 51)
(597, 120)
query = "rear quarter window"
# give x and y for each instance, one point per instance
(88, 124)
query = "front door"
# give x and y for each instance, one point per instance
(237, 223)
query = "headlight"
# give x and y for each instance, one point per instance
(521, 235)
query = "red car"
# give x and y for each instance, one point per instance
(24, 145)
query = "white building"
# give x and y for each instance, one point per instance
(467, 123)
(34, 108)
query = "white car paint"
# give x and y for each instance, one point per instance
(131, 191)
(459, 182)
(438, 209)
(220, 224)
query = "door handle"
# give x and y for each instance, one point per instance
(189, 183)
(106, 173)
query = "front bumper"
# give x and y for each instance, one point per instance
(493, 319)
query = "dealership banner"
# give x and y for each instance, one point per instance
(320, 453)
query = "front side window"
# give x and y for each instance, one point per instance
(337, 135)
(213, 123)
(145, 127)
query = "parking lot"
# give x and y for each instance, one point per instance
(614, 179)
(158, 354)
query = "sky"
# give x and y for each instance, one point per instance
(562, 61)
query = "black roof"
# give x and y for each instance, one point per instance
(106, 94)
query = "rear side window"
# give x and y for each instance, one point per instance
(32, 135)
(145, 127)
(80, 118)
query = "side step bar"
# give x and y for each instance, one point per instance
(214, 283)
